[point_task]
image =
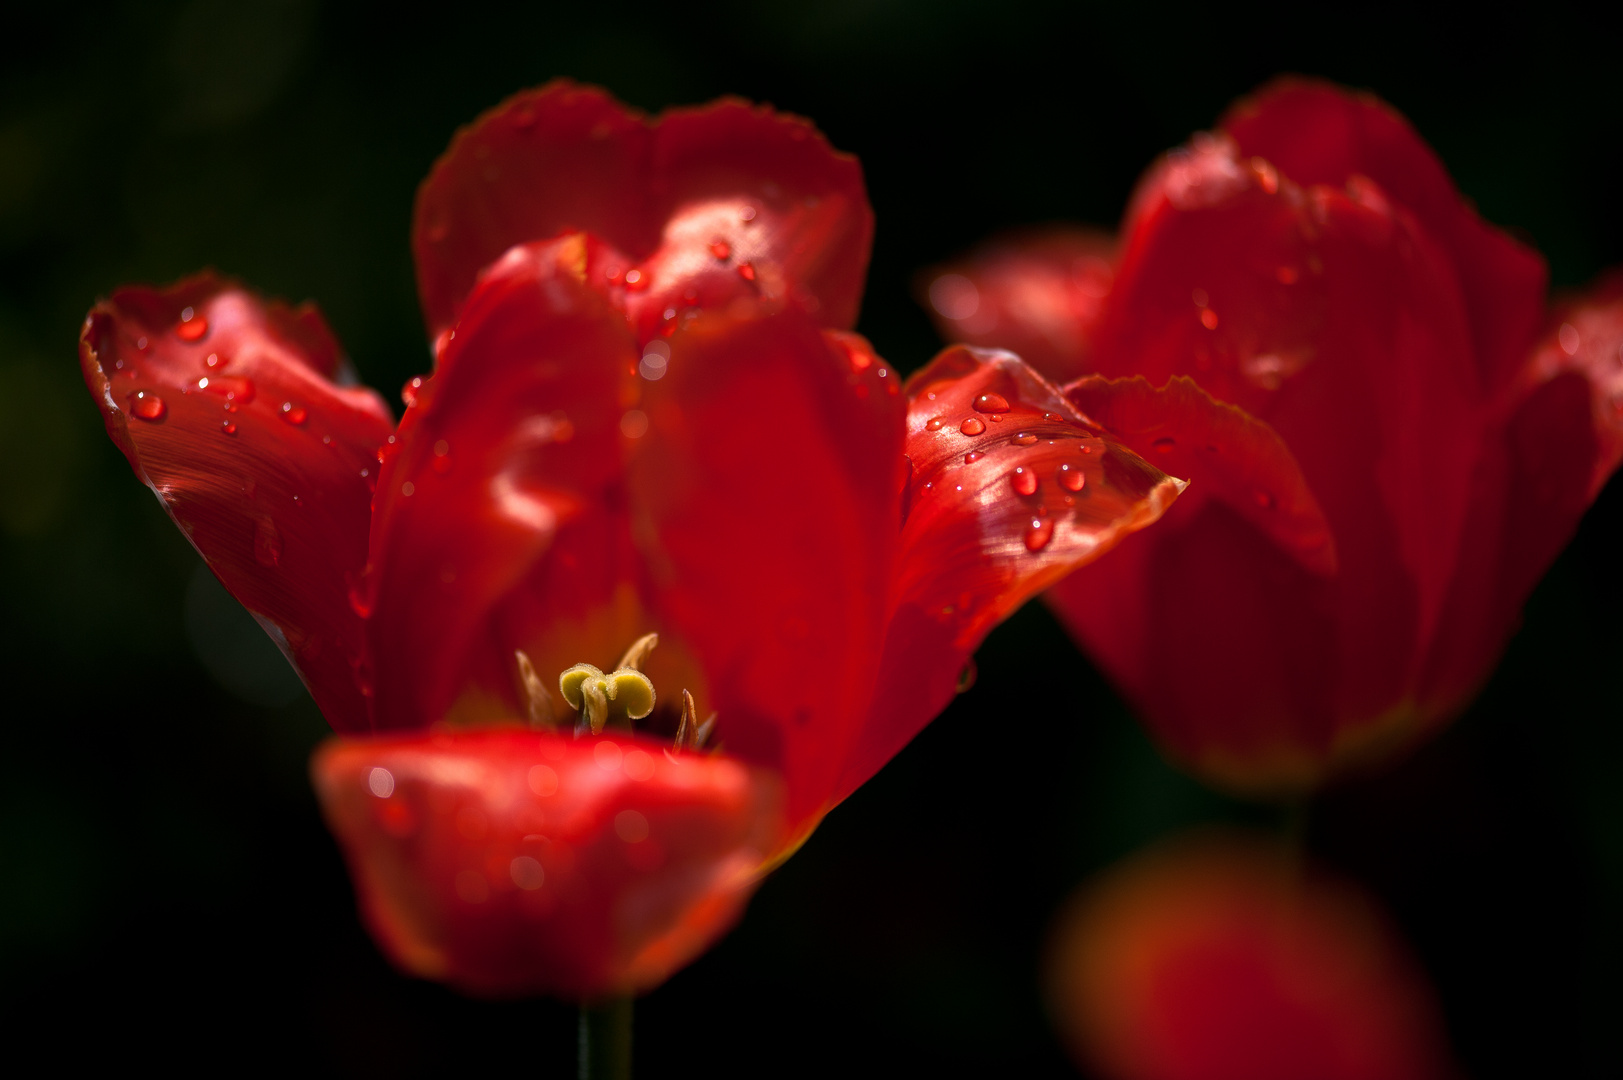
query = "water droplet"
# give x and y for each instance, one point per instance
(935, 424)
(747, 214)
(141, 343)
(1024, 481)
(1071, 478)
(636, 280)
(267, 543)
(1025, 438)
(972, 426)
(212, 361)
(991, 403)
(1263, 499)
(228, 427)
(1039, 533)
(294, 414)
(381, 782)
(147, 405)
(746, 271)
(1163, 445)
(1568, 338)
(722, 250)
(408, 489)
(408, 393)
(191, 328)
(1208, 319)
(973, 456)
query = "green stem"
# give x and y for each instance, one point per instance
(605, 1040)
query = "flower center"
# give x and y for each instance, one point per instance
(617, 698)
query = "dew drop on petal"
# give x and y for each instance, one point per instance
(1208, 319)
(722, 250)
(294, 414)
(1039, 533)
(1024, 481)
(636, 280)
(935, 424)
(1025, 438)
(192, 327)
(1163, 445)
(972, 426)
(527, 873)
(228, 427)
(1568, 337)
(381, 782)
(746, 271)
(408, 393)
(147, 405)
(212, 361)
(990, 402)
(267, 543)
(973, 456)
(631, 826)
(1071, 478)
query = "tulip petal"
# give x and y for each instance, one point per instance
(1317, 133)
(1010, 490)
(765, 502)
(506, 472)
(1039, 294)
(227, 407)
(1226, 453)
(510, 863)
(719, 201)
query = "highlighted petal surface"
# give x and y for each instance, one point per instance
(228, 408)
(1010, 489)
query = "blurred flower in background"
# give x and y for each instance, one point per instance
(1219, 955)
(1389, 435)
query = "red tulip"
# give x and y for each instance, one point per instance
(645, 417)
(1388, 434)
(1222, 958)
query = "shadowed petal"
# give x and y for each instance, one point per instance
(1010, 490)
(1226, 453)
(510, 863)
(226, 406)
(766, 499)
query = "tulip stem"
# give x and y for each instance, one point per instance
(605, 1040)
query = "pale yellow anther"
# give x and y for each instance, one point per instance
(625, 692)
(634, 657)
(542, 712)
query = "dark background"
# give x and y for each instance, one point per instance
(167, 892)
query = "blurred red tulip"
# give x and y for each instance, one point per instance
(1217, 957)
(1389, 435)
(645, 417)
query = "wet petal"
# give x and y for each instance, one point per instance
(509, 863)
(1225, 452)
(228, 408)
(765, 502)
(1317, 133)
(502, 492)
(708, 204)
(1039, 294)
(1010, 490)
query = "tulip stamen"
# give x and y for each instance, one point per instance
(538, 703)
(622, 695)
(690, 734)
